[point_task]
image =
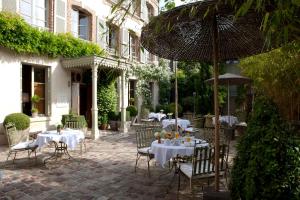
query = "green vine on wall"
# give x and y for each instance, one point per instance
(19, 36)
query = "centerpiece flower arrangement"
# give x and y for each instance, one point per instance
(170, 115)
(163, 134)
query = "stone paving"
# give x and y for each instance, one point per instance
(104, 172)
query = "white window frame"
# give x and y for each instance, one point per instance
(33, 16)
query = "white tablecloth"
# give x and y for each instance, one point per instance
(69, 137)
(231, 120)
(157, 116)
(163, 153)
(183, 123)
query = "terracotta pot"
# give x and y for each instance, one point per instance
(103, 126)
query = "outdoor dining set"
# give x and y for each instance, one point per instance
(189, 151)
(62, 140)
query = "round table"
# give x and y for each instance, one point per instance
(163, 153)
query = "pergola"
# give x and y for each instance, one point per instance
(95, 63)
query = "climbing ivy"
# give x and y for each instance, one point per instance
(20, 37)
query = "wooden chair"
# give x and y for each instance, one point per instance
(18, 142)
(144, 138)
(202, 165)
(76, 125)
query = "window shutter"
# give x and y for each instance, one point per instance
(102, 33)
(60, 16)
(144, 10)
(9, 5)
(124, 43)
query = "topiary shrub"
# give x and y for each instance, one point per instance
(132, 110)
(21, 121)
(267, 165)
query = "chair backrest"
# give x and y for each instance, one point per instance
(208, 135)
(204, 160)
(144, 137)
(13, 136)
(73, 125)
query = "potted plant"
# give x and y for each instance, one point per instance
(35, 99)
(114, 119)
(103, 122)
(132, 112)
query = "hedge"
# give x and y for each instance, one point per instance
(20, 37)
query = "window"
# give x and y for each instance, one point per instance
(113, 39)
(150, 11)
(133, 46)
(34, 82)
(149, 57)
(35, 12)
(80, 24)
(131, 89)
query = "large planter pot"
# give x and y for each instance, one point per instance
(103, 126)
(114, 125)
(34, 114)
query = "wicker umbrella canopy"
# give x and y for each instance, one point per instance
(185, 33)
(204, 31)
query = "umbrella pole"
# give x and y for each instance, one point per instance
(228, 99)
(176, 97)
(216, 100)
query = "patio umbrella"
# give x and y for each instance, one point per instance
(204, 31)
(230, 79)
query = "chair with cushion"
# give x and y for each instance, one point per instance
(18, 142)
(203, 164)
(76, 125)
(144, 138)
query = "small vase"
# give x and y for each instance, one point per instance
(158, 140)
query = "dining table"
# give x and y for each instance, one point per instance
(63, 140)
(157, 116)
(165, 151)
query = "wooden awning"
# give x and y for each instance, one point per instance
(90, 61)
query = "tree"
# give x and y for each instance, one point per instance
(276, 74)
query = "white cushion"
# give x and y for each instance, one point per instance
(23, 145)
(145, 150)
(187, 169)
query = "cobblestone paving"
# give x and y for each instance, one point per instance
(104, 172)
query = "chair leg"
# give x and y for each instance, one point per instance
(8, 155)
(136, 161)
(178, 187)
(14, 157)
(148, 162)
(35, 156)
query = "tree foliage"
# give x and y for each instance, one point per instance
(276, 74)
(20, 37)
(267, 165)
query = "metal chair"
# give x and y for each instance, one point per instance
(144, 138)
(18, 142)
(202, 165)
(76, 125)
